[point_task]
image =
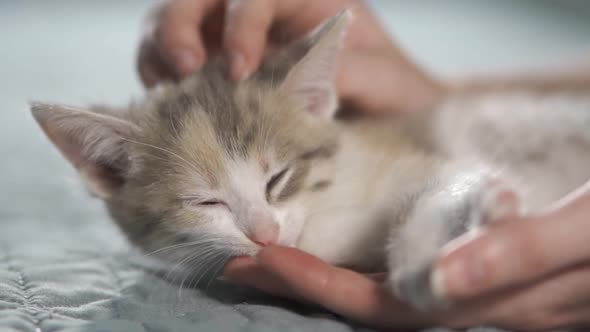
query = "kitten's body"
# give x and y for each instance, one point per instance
(537, 143)
(210, 169)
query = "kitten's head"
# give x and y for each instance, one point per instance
(225, 167)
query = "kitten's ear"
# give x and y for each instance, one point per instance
(311, 80)
(93, 142)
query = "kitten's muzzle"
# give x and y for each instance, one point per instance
(263, 229)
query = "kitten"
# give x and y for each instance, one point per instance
(209, 169)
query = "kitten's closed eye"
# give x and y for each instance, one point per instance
(193, 202)
(212, 202)
(276, 181)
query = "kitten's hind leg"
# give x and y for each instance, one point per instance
(440, 214)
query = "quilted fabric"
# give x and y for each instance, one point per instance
(66, 290)
(52, 288)
(45, 287)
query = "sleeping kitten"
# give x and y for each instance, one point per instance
(210, 169)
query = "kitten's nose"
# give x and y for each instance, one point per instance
(265, 234)
(264, 231)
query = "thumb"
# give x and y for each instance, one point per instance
(510, 253)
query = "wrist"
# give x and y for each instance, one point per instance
(384, 80)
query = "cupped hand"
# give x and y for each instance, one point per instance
(528, 273)
(294, 274)
(299, 276)
(374, 75)
(538, 265)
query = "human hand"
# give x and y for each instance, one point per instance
(294, 274)
(532, 279)
(373, 73)
(297, 275)
(534, 271)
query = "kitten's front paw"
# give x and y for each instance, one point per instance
(437, 220)
(414, 287)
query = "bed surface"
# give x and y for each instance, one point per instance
(63, 265)
(51, 280)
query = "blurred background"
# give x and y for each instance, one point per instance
(82, 51)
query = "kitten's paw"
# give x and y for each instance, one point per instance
(436, 220)
(415, 288)
(498, 200)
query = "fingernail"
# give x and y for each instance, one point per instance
(462, 275)
(238, 66)
(437, 284)
(185, 61)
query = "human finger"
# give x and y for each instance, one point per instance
(245, 34)
(178, 34)
(245, 271)
(515, 252)
(340, 290)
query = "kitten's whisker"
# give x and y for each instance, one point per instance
(180, 245)
(211, 260)
(202, 262)
(196, 243)
(186, 272)
(170, 275)
(172, 123)
(180, 264)
(222, 261)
